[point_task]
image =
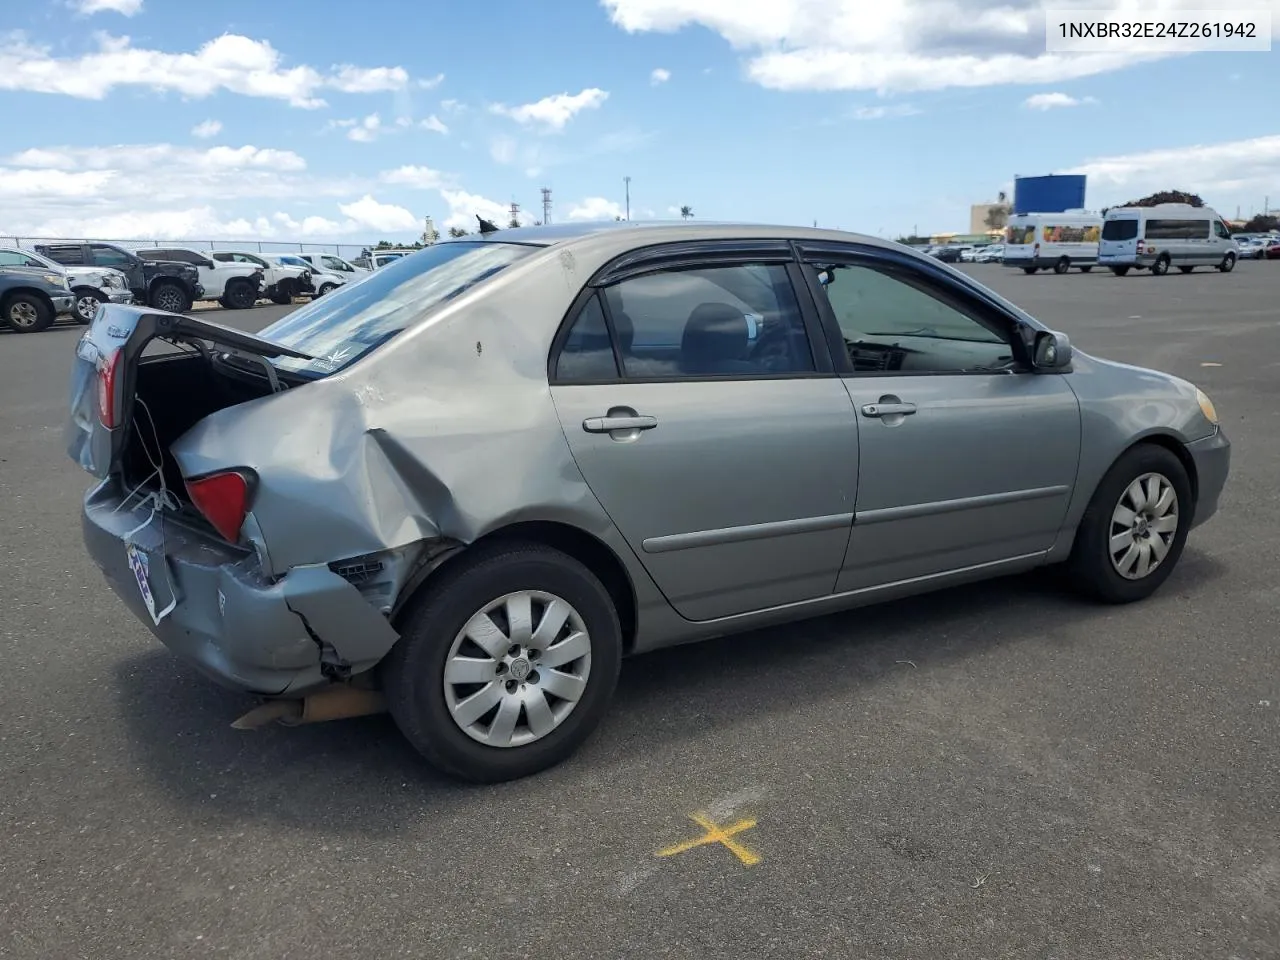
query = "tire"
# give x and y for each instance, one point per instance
(169, 296)
(1062, 266)
(1228, 263)
(1120, 271)
(1160, 267)
(1029, 270)
(28, 313)
(1091, 565)
(239, 295)
(414, 673)
(327, 288)
(1186, 269)
(282, 295)
(1086, 269)
(87, 301)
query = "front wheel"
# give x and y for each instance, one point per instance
(282, 295)
(1228, 263)
(239, 295)
(326, 288)
(87, 301)
(171, 297)
(506, 665)
(27, 313)
(1134, 529)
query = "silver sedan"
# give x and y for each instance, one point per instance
(468, 486)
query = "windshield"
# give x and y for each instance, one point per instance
(344, 325)
(293, 261)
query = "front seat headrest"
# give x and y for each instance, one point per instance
(715, 339)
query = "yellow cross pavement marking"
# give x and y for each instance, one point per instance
(717, 834)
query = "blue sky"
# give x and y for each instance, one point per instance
(312, 120)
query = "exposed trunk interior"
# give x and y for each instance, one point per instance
(174, 392)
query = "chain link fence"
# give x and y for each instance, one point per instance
(346, 250)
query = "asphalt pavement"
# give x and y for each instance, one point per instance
(995, 771)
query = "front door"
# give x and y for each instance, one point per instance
(701, 418)
(965, 459)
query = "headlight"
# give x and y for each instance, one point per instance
(1206, 406)
(57, 279)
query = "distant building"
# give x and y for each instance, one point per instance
(978, 214)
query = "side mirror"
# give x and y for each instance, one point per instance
(209, 265)
(1052, 351)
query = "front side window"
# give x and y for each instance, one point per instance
(893, 320)
(15, 258)
(111, 257)
(1221, 230)
(343, 326)
(333, 263)
(740, 321)
(177, 256)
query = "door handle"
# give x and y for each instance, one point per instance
(877, 410)
(610, 424)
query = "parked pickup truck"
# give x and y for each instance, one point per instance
(237, 286)
(91, 285)
(157, 283)
(31, 299)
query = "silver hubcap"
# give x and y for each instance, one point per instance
(24, 314)
(1143, 526)
(87, 307)
(517, 669)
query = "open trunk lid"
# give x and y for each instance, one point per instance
(103, 377)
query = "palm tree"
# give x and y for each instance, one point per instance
(686, 212)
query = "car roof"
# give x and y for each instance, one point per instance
(665, 231)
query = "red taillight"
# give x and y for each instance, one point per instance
(222, 499)
(107, 374)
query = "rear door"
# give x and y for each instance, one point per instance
(1119, 239)
(700, 404)
(966, 459)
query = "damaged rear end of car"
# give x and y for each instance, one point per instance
(174, 529)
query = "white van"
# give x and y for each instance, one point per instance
(1166, 235)
(1057, 241)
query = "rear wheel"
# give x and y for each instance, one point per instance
(1228, 263)
(506, 665)
(1120, 271)
(27, 313)
(87, 300)
(170, 296)
(1062, 266)
(1086, 269)
(1161, 266)
(1134, 529)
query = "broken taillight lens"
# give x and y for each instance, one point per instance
(222, 498)
(107, 375)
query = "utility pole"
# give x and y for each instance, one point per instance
(627, 181)
(515, 214)
(546, 205)
(428, 231)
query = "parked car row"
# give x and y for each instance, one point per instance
(169, 278)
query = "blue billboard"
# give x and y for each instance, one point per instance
(1049, 194)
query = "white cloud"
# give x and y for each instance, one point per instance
(382, 217)
(595, 208)
(231, 62)
(435, 124)
(127, 7)
(464, 206)
(659, 75)
(883, 112)
(892, 44)
(430, 83)
(1052, 101)
(210, 128)
(419, 178)
(554, 111)
(366, 131)
(1238, 172)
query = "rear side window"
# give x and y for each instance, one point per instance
(343, 326)
(68, 256)
(587, 354)
(1168, 229)
(1120, 230)
(1021, 234)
